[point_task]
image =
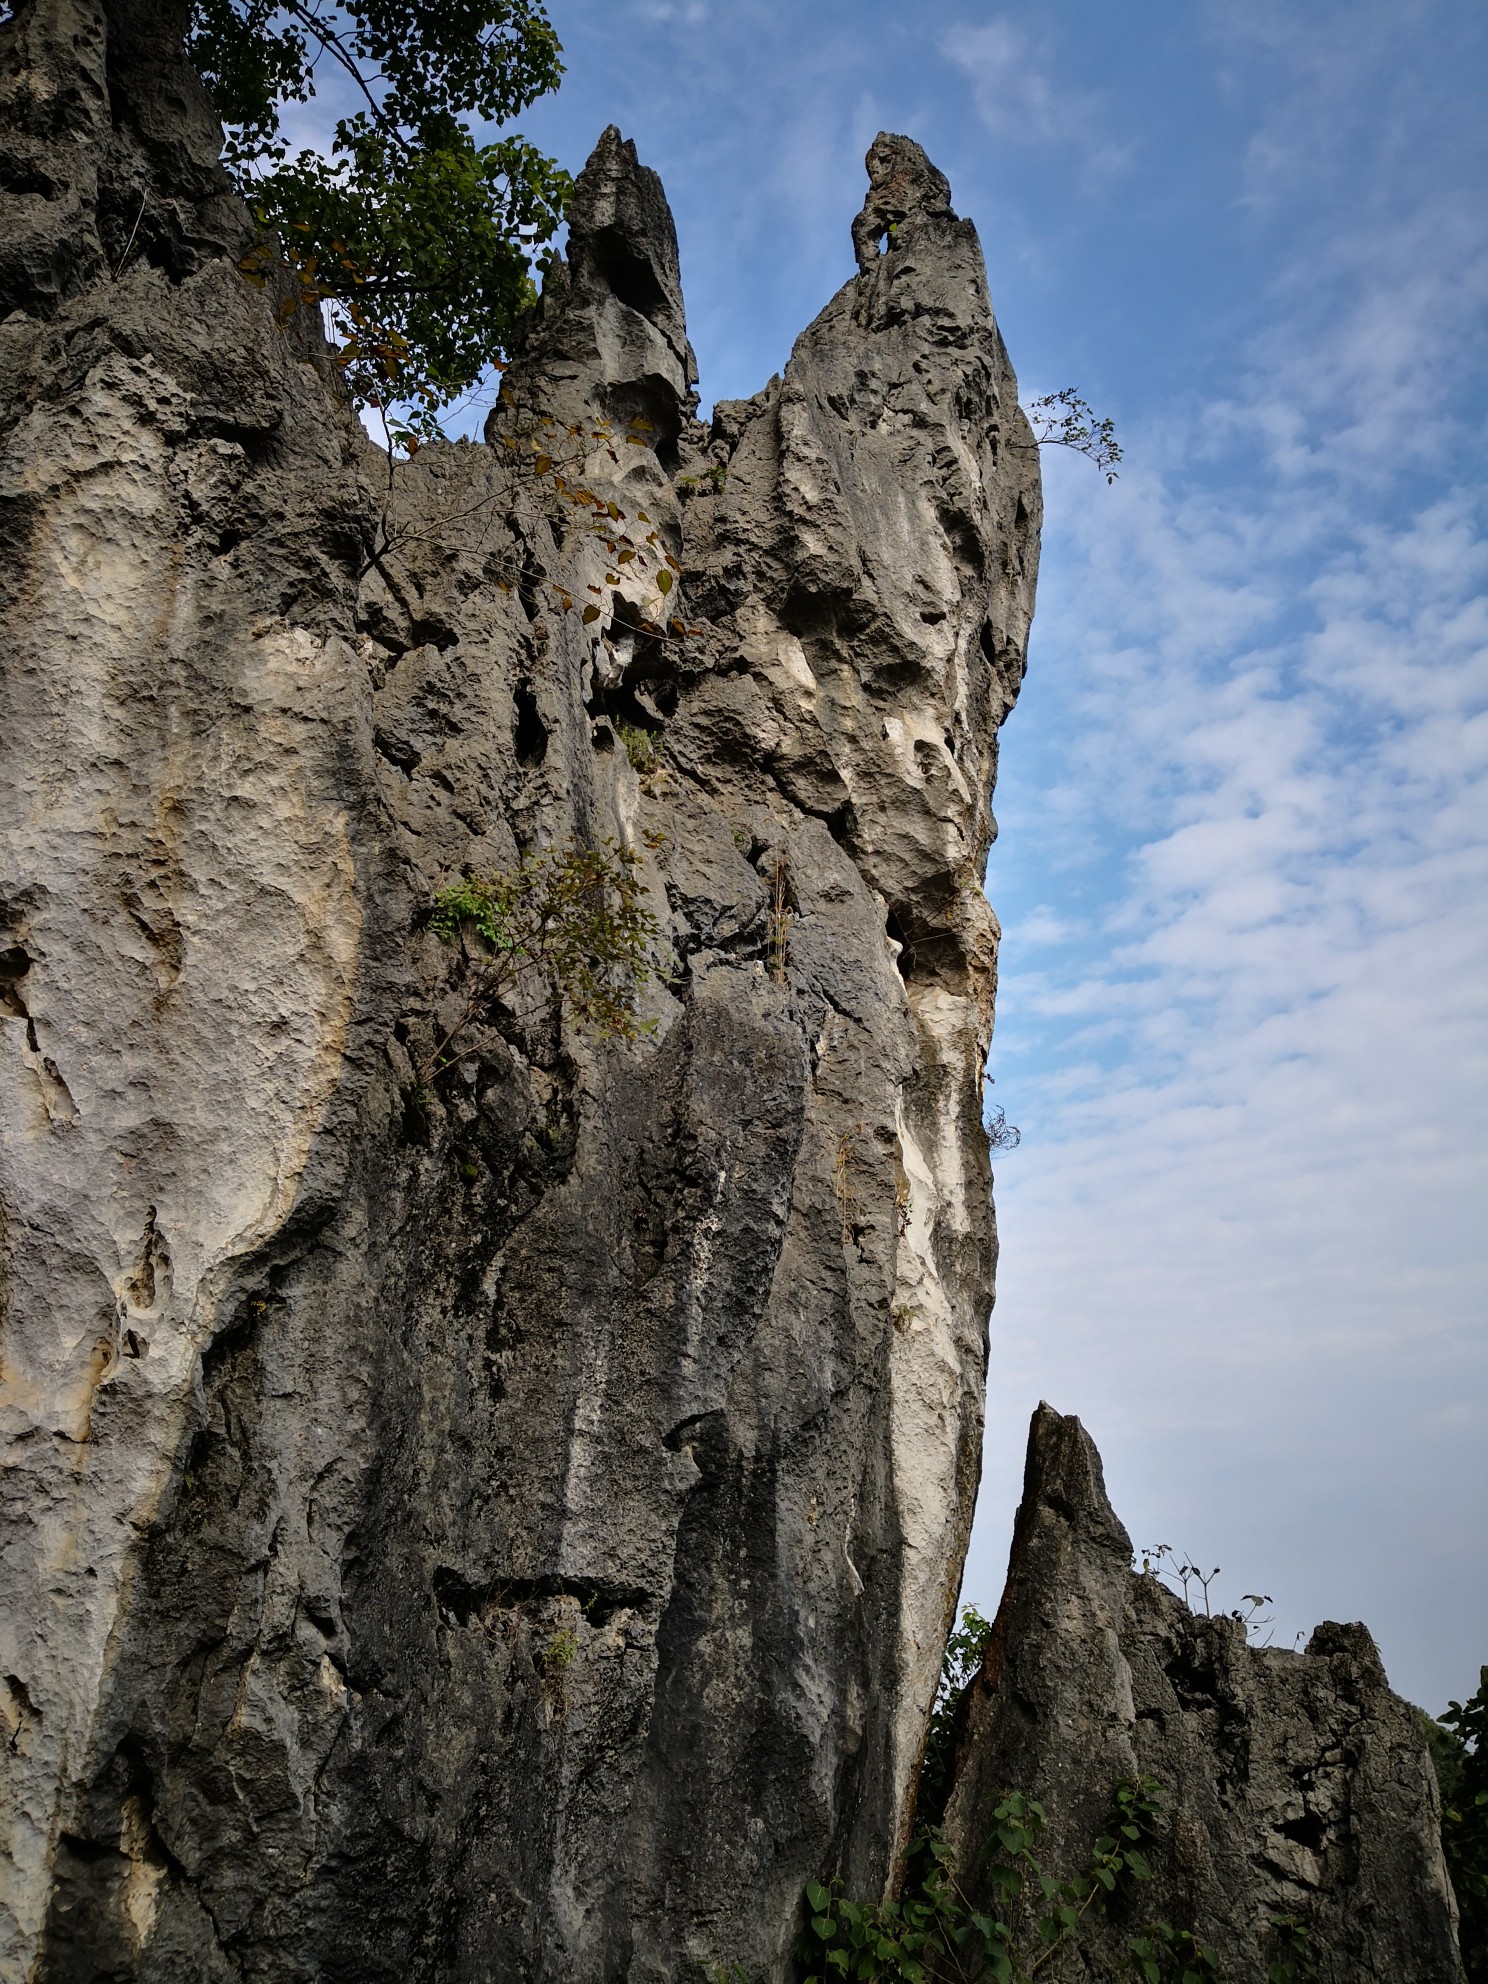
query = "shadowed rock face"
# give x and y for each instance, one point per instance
(1294, 1785)
(497, 1523)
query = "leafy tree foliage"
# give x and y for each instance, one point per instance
(418, 239)
(966, 1647)
(1459, 1748)
(1066, 420)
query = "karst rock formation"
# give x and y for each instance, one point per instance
(1297, 1789)
(483, 1497)
(503, 1522)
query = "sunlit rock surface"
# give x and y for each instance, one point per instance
(496, 1523)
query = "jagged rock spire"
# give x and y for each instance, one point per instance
(610, 333)
(1292, 1785)
(901, 182)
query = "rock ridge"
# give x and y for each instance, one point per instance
(497, 1524)
(1295, 1786)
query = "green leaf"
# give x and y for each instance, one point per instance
(418, 238)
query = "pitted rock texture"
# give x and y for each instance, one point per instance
(494, 1520)
(1295, 1786)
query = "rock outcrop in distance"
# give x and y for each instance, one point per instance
(1296, 1789)
(493, 1509)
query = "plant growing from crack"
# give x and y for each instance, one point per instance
(711, 479)
(779, 915)
(843, 1188)
(1181, 1576)
(932, 1934)
(644, 748)
(560, 1653)
(1001, 1134)
(1065, 420)
(573, 918)
(1292, 1963)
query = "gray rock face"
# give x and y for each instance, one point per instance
(1295, 1785)
(498, 1522)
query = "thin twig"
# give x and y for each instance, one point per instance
(132, 233)
(330, 41)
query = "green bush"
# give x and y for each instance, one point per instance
(931, 1934)
(573, 918)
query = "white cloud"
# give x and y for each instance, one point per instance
(1019, 96)
(683, 13)
(1245, 1231)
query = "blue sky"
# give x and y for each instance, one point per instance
(1242, 865)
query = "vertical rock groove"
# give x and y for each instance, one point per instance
(499, 1523)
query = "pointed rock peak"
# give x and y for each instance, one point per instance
(1355, 1643)
(622, 240)
(1063, 1474)
(902, 184)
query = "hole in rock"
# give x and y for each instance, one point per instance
(1307, 1831)
(461, 1601)
(897, 933)
(627, 271)
(14, 964)
(842, 824)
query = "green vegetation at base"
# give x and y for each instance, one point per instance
(1459, 1749)
(932, 1934)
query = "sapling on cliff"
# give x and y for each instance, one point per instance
(574, 919)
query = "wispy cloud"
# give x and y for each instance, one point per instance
(1020, 95)
(684, 13)
(1245, 1226)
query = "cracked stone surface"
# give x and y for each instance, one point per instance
(1295, 1785)
(497, 1522)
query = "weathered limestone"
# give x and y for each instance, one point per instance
(1296, 1786)
(498, 1524)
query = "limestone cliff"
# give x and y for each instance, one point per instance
(498, 1522)
(1296, 1788)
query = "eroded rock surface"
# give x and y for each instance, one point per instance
(497, 1522)
(1296, 1787)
